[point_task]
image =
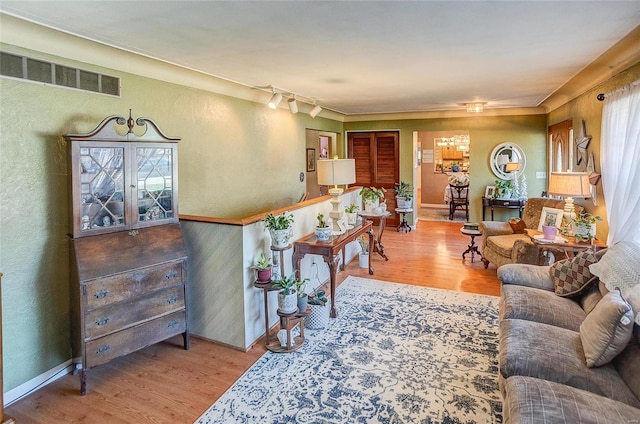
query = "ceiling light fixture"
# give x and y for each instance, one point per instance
(275, 100)
(293, 105)
(475, 107)
(315, 111)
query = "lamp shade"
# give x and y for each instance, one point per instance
(574, 184)
(503, 159)
(336, 171)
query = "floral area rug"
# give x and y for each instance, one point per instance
(395, 354)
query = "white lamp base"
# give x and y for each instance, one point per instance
(569, 213)
(336, 214)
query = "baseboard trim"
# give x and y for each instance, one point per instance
(35, 383)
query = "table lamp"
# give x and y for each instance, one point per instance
(569, 184)
(332, 172)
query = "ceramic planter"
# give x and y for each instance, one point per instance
(318, 318)
(323, 234)
(280, 238)
(549, 232)
(583, 232)
(303, 303)
(363, 260)
(264, 275)
(287, 303)
(403, 203)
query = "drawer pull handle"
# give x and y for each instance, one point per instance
(171, 275)
(101, 294)
(172, 299)
(102, 321)
(103, 349)
(173, 323)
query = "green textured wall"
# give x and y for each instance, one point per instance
(528, 131)
(236, 158)
(587, 107)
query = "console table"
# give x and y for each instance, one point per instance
(502, 203)
(329, 250)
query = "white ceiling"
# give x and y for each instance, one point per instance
(360, 57)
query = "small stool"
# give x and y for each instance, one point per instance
(472, 248)
(404, 226)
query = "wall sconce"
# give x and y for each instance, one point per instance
(475, 107)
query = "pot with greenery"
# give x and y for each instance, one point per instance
(279, 227)
(287, 296)
(351, 212)
(320, 308)
(455, 166)
(302, 296)
(263, 268)
(371, 198)
(503, 189)
(584, 226)
(404, 195)
(323, 229)
(363, 256)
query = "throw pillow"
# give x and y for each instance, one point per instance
(517, 225)
(619, 266)
(572, 276)
(606, 331)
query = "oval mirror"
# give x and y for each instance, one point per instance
(506, 159)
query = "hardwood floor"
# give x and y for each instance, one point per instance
(166, 384)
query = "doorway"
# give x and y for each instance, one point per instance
(377, 163)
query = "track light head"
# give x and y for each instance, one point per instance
(315, 111)
(275, 100)
(293, 105)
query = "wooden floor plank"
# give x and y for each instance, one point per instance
(166, 384)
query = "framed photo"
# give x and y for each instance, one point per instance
(489, 192)
(552, 217)
(311, 160)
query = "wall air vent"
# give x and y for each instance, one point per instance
(22, 67)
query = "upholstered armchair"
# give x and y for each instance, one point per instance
(501, 246)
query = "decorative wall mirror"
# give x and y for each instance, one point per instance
(506, 159)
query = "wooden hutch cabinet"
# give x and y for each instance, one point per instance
(128, 256)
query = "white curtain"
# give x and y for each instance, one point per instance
(620, 162)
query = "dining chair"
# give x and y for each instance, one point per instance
(459, 200)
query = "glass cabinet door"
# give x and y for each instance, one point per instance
(101, 188)
(154, 186)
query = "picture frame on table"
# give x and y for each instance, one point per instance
(311, 160)
(551, 216)
(489, 192)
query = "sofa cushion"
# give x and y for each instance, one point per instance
(572, 276)
(590, 298)
(517, 302)
(503, 245)
(628, 365)
(606, 331)
(532, 349)
(526, 275)
(535, 401)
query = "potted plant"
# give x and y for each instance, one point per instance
(455, 166)
(287, 297)
(584, 226)
(302, 296)
(549, 229)
(263, 268)
(352, 213)
(363, 256)
(404, 195)
(279, 227)
(323, 230)
(371, 197)
(503, 189)
(319, 316)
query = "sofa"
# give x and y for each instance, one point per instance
(570, 353)
(500, 245)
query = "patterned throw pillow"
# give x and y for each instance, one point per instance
(517, 225)
(572, 276)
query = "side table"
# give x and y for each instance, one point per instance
(377, 240)
(287, 323)
(404, 227)
(473, 247)
(569, 247)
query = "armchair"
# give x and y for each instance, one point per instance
(501, 246)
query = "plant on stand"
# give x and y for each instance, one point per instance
(404, 195)
(584, 226)
(323, 229)
(371, 198)
(352, 213)
(279, 227)
(287, 296)
(263, 268)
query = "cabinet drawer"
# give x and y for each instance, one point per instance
(127, 285)
(110, 318)
(106, 348)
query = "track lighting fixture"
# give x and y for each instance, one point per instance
(275, 100)
(315, 111)
(293, 105)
